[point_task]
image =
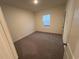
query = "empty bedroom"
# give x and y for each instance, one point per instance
(36, 27)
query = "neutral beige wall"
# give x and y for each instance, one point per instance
(72, 29)
(68, 19)
(74, 34)
(6, 42)
(20, 22)
(57, 20)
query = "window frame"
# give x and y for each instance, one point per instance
(46, 26)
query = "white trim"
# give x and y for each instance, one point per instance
(68, 52)
(24, 35)
(71, 51)
(65, 53)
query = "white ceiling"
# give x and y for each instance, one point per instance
(28, 4)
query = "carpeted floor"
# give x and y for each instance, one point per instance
(40, 46)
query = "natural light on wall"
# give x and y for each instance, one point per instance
(35, 1)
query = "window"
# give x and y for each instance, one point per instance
(46, 20)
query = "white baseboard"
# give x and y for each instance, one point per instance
(24, 35)
(68, 53)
